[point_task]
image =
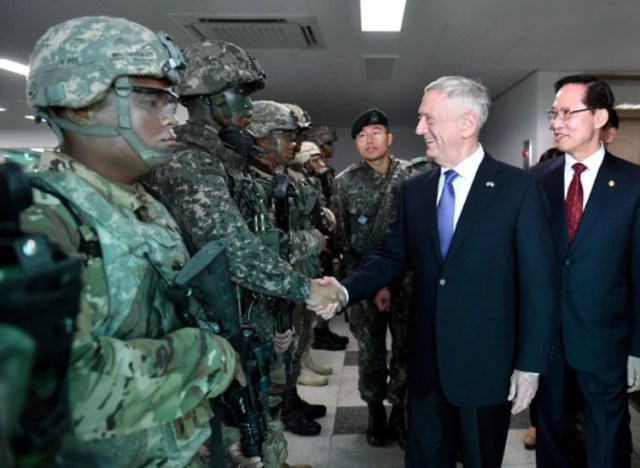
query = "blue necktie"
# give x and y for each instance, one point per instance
(446, 207)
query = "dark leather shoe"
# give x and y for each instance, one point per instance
(377, 429)
(326, 332)
(298, 424)
(328, 344)
(396, 427)
(297, 404)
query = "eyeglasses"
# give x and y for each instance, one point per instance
(564, 114)
(375, 135)
(157, 99)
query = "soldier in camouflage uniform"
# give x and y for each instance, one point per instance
(274, 126)
(324, 137)
(365, 204)
(139, 380)
(421, 164)
(206, 178)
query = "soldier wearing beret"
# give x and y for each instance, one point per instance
(364, 205)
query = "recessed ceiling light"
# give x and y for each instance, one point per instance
(14, 67)
(381, 15)
(30, 117)
(37, 150)
(2, 109)
(628, 106)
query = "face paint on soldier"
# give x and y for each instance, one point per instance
(239, 106)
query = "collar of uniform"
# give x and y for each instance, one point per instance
(127, 196)
(393, 162)
(198, 131)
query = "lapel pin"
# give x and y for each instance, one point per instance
(612, 183)
(490, 184)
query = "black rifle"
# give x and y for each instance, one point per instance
(40, 293)
(206, 278)
(282, 308)
(330, 258)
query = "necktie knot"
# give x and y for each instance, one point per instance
(579, 168)
(450, 175)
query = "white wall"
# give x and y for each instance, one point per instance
(518, 115)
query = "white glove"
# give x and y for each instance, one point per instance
(523, 388)
(633, 374)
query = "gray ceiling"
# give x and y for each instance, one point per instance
(498, 41)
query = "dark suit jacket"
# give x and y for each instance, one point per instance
(601, 269)
(490, 306)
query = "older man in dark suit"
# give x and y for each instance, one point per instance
(475, 234)
(594, 198)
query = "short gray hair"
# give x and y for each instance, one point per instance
(468, 92)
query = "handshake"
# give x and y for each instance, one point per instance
(326, 297)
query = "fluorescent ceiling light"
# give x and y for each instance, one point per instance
(627, 106)
(30, 117)
(2, 109)
(37, 150)
(14, 67)
(381, 15)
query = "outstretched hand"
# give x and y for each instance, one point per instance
(327, 296)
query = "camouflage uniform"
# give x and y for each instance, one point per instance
(421, 164)
(324, 137)
(358, 204)
(139, 381)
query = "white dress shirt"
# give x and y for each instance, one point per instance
(588, 177)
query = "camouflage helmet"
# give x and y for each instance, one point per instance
(303, 119)
(322, 135)
(214, 66)
(268, 116)
(75, 63)
(307, 149)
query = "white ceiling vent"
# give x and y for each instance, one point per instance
(379, 67)
(255, 33)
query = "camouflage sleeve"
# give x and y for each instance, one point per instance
(196, 184)
(304, 244)
(118, 386)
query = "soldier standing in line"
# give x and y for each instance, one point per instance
(205, 180)
(139, 380)
(274, 126)
(365, 204)
(324, 137)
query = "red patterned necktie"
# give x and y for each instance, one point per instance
(574, 201)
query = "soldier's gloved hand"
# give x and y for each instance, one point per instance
(238, 460)
(282, 341)
(633, 374)
(523, 388)
(383, 300)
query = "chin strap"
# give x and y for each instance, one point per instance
(240, 140)
(122, 86)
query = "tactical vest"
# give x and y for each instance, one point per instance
(129, 247)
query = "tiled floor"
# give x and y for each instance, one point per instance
(342, 444)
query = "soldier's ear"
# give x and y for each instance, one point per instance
(79, 116)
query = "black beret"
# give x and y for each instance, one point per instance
(369, 117)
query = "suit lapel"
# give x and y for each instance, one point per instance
(483, 188)
(599, 196)
(553, 185)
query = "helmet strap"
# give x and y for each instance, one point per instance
(151, 157)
